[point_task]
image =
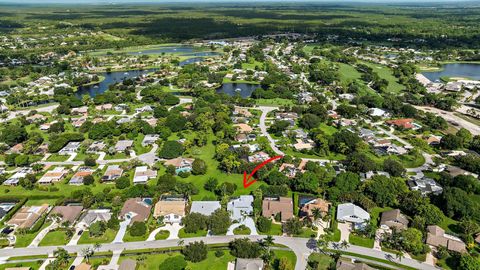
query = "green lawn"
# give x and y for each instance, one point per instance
(242, 230)
(162, 235)
(24, 240)
(153, 261)
(336, 235)
(107, 237)
(183, 234)
(129, 238)
(276, 229)
(291, 257)
(361, 241)
(58, 158)
(274, 102)
(307, 233)
(328, 130)
(375, 214)
(55, 238)
(32, 265)
(324, 261)
(120, 155)
(387, 74)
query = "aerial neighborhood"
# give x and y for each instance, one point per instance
(129, 148)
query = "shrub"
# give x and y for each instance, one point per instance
(174, 263)
(138, 229)
(195, 252)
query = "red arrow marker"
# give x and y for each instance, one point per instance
(246, 179)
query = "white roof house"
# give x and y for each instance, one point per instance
(349, 212)
(142, 174)
(205, 207)
(376, 112)
(70, 148)
(123, 145)
(240, 207)
(150, 139)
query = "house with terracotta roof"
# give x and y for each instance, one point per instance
(27, 216)
(273, 206)
(83, 266)
(436, 237)
(136, 209)
(308, 207)
(181, 164)
(77, 178)
(406, 123)
(258, 157)
(290, 170)
(16, 149)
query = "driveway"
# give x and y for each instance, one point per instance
(172, 228)
(42, 234)
(75, 237)
(247, 221)
(345, 229)
(121, 232)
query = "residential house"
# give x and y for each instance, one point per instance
(282, 206)
(205, 208)
(36, 118)
(406, 123)
(143, 174)
(146, 108)
(308, 207)
(53, 176)
(15, 178)
(258, 157)
(79, 121)
(368, 175)
(67, 213)
(112, 173)
(240, 207)
(94, 215)
(124, 120)
(27, 216)
(393, 219)
(456, 171)
(172, 209)
(304, 144)
(136, 209)
(349, 212)
(104, 107)
(437, 237)
(150, 139)
(243, 128)
(348, 265)
(242, 111)
(70, 148)
(80, 111)
(434, 140)
(376, 112)
(425, 186)
(123, 145)
(290, 170)
(16, 149)
(96, 147)
(248, 264)
(181, 164)
(241, 138)
(46, 126)
(77, 178)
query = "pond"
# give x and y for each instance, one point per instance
(464, 70)
(110, 78)
(160, 50)
(245, 90)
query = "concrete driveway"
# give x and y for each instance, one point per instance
(247, 221)
(36, 241)
(121, 232)
(345, 229)
(172, 228)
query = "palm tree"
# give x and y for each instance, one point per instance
(61, 256)
(180, 242)
(267, 242)
(400, 255)
(87, 253)
(344, 244)
(316, 213)
(323, 242)
(97, 246)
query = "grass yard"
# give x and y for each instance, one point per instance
(32, 265)
(55, 238)
(307, 233)
(116, 156)
(328, 130)
(153, 261)
(387, 74)
(129, 238)
(274, 102)
(336, 235)
(375, 214)
(107, 237)
(276, 229)
(23, 240)
(242, 230)
(361, 241)
(183, 234)
(162, 235)
(324, 261)
(58, 158)
(289, 255)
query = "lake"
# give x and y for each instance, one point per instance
(464, 70)
(245, 90)
(110, 78)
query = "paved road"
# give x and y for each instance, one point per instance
(452, 118)
(302, 247)
(263, 128)
(14, 114)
